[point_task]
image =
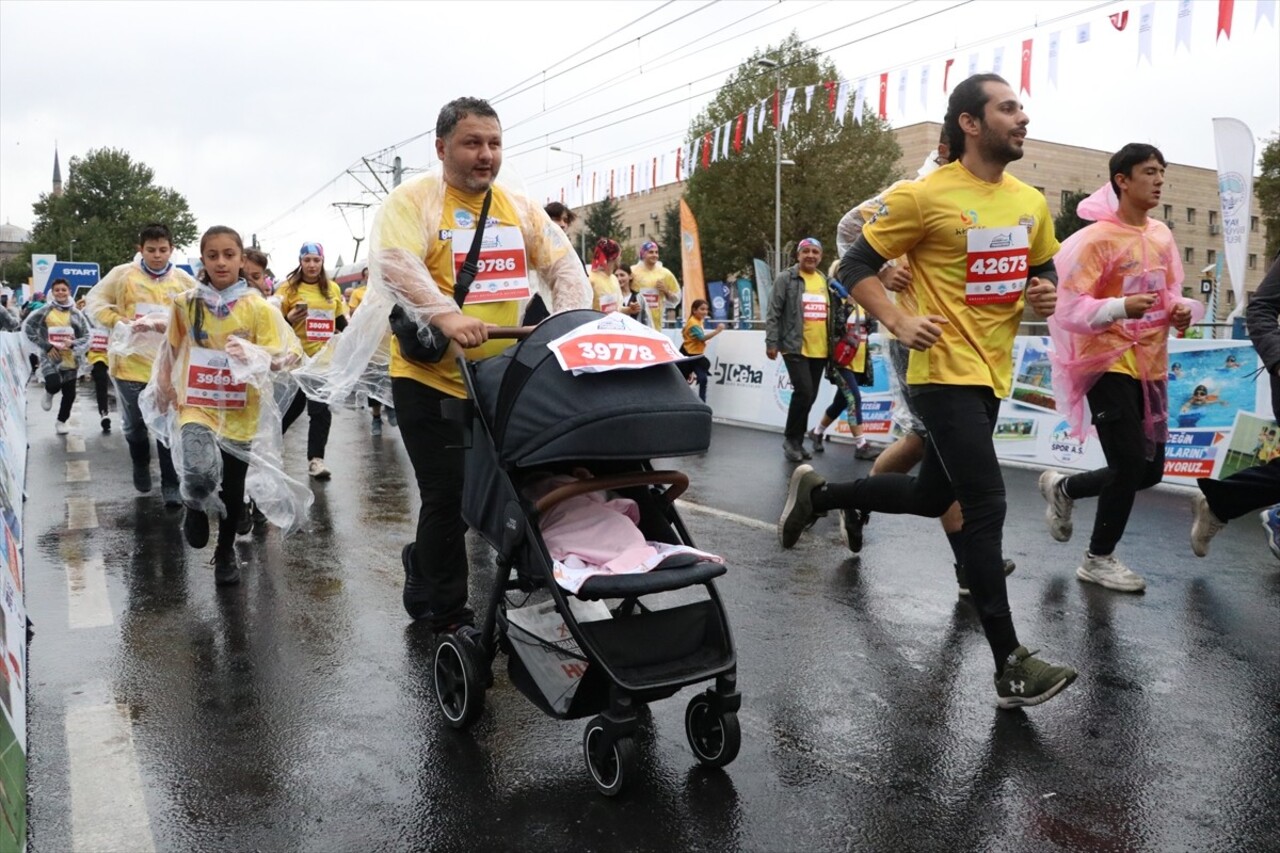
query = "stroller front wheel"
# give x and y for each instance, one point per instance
(609, 760)
(714, 735)
(459, 689)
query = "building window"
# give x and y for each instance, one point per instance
(1210, 257)
(1253, 225)
(1231, 296)
(1253, 262)
(1191, 216)
(1168, 212)
(1189, 255)
(1066, 198)
(628, 232)
(1213, 218)
(1040, 190)
(641, 229)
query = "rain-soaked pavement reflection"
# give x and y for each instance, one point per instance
(297, 712)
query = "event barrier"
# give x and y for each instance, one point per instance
(1226, 427)
(14, 370)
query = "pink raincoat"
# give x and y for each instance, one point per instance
(1098, 267)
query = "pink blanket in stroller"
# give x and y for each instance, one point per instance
(593, 534)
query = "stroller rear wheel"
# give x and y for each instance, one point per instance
(714, 735)
(459, 689)
(609, 760)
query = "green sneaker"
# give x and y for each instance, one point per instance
(1027, 680)
(798, 515)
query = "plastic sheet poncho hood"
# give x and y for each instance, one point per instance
(1087, 342)
(248, 348)
(353, 366)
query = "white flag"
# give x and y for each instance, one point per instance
(1055, 39)
(997, 61)
(760, 111)
(1266, 9)
(1082, 33)
(751, 124)
(715, 146)
(662, 169)
(924, 87)
(1234, 144)
(902, 92)
(725, 134)
(859, 99)
(808, 98)
(842, 101)
(787, 104)
(695, 148)
(1145, 16)
(1184, 26)
(973, 64)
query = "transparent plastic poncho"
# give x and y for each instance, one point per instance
(353, 367)
(1088, 338)
(219, 385)
(35, 330)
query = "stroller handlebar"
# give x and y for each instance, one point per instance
(676, 480)
(518, 333)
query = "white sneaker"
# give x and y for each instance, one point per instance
(47, 402)
(1058, 511)
(1204, 526)
(61, 428)
(1111, 573)
(317, 469)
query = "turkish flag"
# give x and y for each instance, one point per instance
(1026, 66)
(776, 95)
(946, 72)
(1225, 8)
(738, 125)
(679, 152)
(1120, 20)
(884, 95)
(831, 96)
(706, 150)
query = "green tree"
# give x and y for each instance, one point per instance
(1067, 222)
(836, 165)
(107, 199)
(669, 241)
(604, 220)
(1267, 189)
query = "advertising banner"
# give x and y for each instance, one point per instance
(76, 273)
(1234, 144)
(41, 266)
(694, 284)
(14, 371)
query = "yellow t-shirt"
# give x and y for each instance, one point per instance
(98, 338)
(125, 294)
(319, 324)
(814, 307)
(933, 221)
(607, 294)
(693, 344)
(400, 226)
(59, 318)
(357, 296)
(654, 285)
(251, 318)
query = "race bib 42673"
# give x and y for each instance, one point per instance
(997, 265)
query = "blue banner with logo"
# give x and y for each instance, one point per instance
(718, 296)
(77, 274)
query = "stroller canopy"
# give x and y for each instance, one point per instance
(540, 413)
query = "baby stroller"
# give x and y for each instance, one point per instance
(526, 417)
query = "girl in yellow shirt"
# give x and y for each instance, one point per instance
(695, 343)
(313, 305)
(61, 331)
(225, 346)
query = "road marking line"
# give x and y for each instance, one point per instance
(78, 471)
(88, 605)
(744, 520)
(75, 444)
(82, 514)
(108, 811)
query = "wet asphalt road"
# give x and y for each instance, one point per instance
(296, 711)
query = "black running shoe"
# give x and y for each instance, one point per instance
(414, 596)
(226, 567)
(195, 527)
(851, 524)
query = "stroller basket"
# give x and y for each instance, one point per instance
(539, 413)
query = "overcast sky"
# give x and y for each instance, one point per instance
(248, 109)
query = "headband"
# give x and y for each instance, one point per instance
(647, 245)
(606, 251)
(809, 241)
(311, 249)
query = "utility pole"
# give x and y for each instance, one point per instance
(777, 160)
(397, 171)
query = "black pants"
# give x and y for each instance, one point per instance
(66, 381)
(440, 550)
(805, 375)
(320, 419)
(848, 398)
(1248, 490)
(701, 370)
(100, 381)
(207, 467)
(136, 435)
(959, 464)
(1116, 401)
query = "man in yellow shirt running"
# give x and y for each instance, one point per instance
(980, 243)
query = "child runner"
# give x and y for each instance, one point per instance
(99, 372)
(375, 406)
(61, 331)
(1121, 290)
(313, 306)
(655, 283)
(695, 343)
(212, 388)
(606, 294)
(132, 304)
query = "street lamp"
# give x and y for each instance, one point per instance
(73, 250)
(777, 167)
(582, 234)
